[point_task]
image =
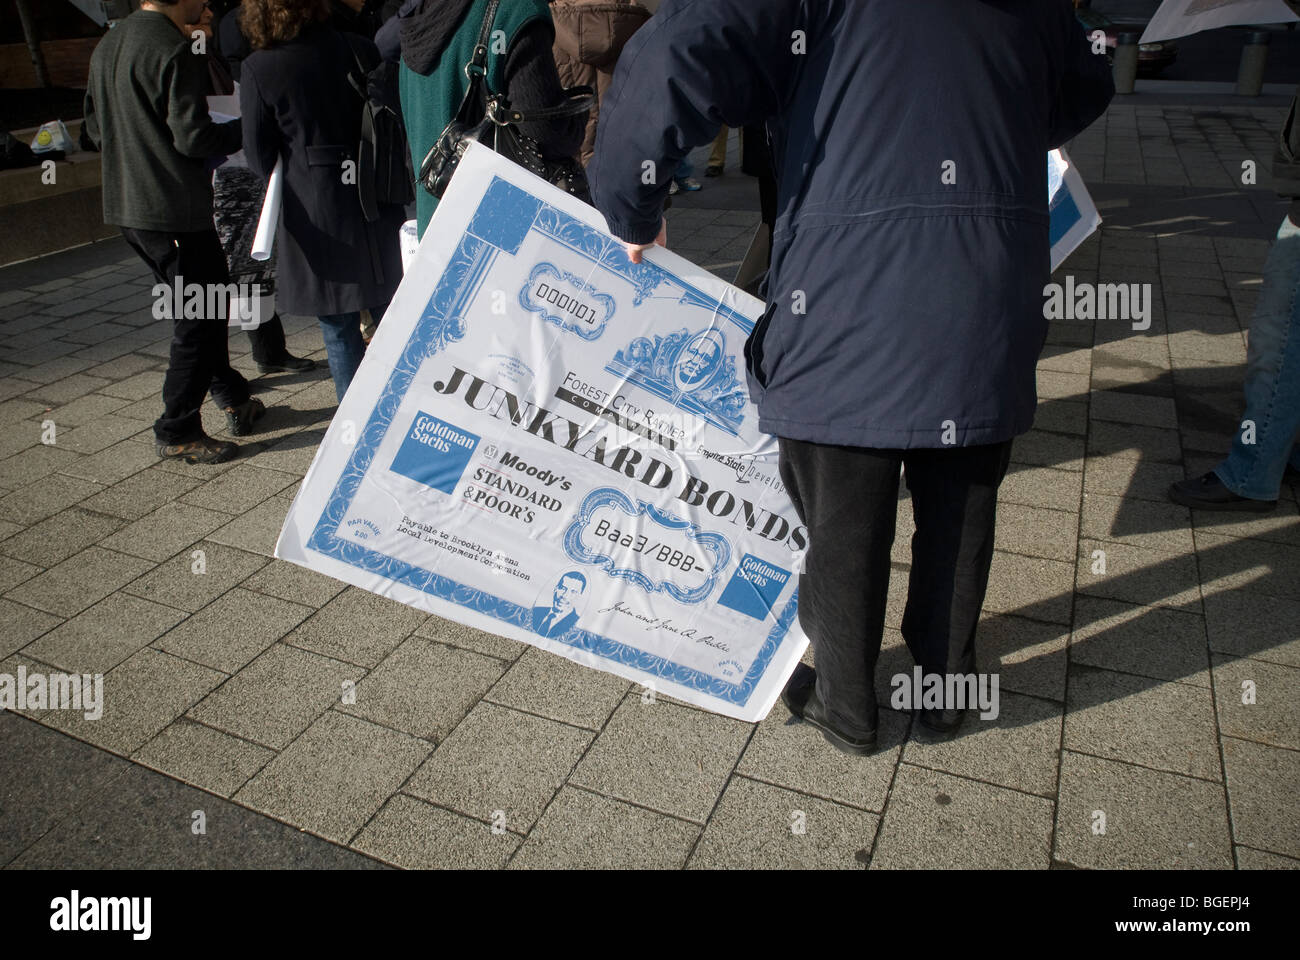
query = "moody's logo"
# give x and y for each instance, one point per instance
(693, 371)
(434, 452)
(566, 300)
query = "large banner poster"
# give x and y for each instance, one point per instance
(552, 444)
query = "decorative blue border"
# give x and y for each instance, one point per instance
(503, 218)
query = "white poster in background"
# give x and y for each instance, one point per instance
(552, 444)
(1181, 18)
(1074, 216)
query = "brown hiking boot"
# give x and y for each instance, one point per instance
(203, 450)
(239, 418)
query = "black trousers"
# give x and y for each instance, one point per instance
(847, 497)
(200, 357)
(267, 340)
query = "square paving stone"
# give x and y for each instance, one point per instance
(1127, 407)
(46, 497)
(793, 754)
(32, 464)
(582, 830)
(257, 529)
(1247, 625)
(1061, 416)
(1133, 479)
(1028, 656)
(418, 836)
(1018, 748)
(14, 572)
(79, 581)
(160, 534)
(114, 463)
(239, 490)
(232, 630)
(204, 757)
(1036, 532)
(138, 386)
(1138, 523)
(669, 758)
(1159, 724)
(333, 778)
(22, 625)
(1153, 820)
(550, 686)
(424, 689)
(1041, 449)
(1147, 641)
(1248, 859)
(1041, 487)
(1135, 442)
(196, 575)
(98, 639)
(59, 537)
(500, 760)
(937, 821)
(357, 626)
(288, 581)
(1272, 716)
(1263, 795)
(98, 434)
(1252, 566)
(1280, 526)
(1140, 576)
(141, 695)
(458, 635)
(277, 696)
(139, 494)
(1030, 587)
(761, 827)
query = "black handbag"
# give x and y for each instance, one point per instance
(491, 121)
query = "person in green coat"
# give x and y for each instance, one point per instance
(437, 40)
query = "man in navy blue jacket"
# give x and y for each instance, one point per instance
(905, 296)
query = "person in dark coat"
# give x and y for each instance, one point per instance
(297, 104)
(146, 110)
(905, 297)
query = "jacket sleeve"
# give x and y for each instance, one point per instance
(193, 132)
(261, 131)
(1086, 84)
(695, 66)
(90, 120)
(533, 82)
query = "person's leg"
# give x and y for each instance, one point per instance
(188, 375)
(718, 153)
(202, 261)
(954, 503)
(1265, 439)
(267, 341)
(343, 346)
(847, 497)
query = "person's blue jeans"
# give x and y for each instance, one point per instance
(344, 346)
(1265, 440)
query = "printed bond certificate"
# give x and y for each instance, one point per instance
(550, 443)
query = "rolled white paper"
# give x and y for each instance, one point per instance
(270, 218)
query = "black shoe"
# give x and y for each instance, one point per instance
(800, 698)
(940, 724)
(239, 419)
(203, 450)
(286, 363)
(713, 171)
(1209, 493)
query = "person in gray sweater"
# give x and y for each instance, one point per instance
(146, 110)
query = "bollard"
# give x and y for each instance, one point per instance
(1254, 55)
(1125, 63)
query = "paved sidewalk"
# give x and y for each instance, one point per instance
(1121, 691)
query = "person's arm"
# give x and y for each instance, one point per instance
(1086, 85)
(90, 120)
(694, 67)
(193, 132)
(261, 131)
(532, 82)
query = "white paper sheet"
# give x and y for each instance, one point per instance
(1181, 18)
(264, 238)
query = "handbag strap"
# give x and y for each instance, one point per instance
(476, 69)
(577, 100)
